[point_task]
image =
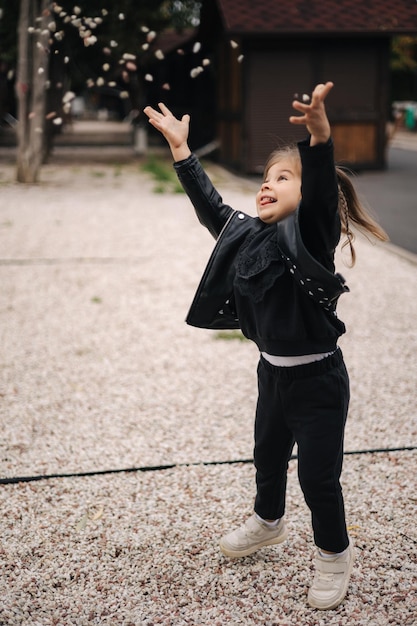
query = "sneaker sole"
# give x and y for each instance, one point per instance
(240, 553)
(340, 598)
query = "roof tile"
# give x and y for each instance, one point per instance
(319, 16)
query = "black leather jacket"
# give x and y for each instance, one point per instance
(213, 306)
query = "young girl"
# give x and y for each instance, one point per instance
(273, 277)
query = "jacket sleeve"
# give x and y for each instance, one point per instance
(319, 216)
(208, 204)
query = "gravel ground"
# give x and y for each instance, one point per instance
(99, 373)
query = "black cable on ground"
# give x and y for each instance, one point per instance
(158, 468)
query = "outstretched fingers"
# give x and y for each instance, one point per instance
(321, 92)
(307, 109)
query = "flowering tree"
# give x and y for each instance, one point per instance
(54, 38)
(32, 72)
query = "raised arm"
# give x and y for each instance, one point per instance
(212, 212)
(319, 216)
(174, 130)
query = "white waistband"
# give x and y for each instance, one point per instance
(291, 361)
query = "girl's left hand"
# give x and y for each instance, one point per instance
(314, 115)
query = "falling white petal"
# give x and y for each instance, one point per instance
(306, 97)
(90, 41)
(196, 71)
(159, 55)
(57, 121)
(150, 36)
(100, 81)
(240, 58)
(121, 16)
(205, 62)
(144, 29)
(234, 44)
(113, 44)
(68, 96)
(124, 95)
(196, 46)
(145, 46)
(106, 67)
(129, 57)
(166, 86)
(149, 78)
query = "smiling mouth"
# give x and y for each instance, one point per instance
(267, 200)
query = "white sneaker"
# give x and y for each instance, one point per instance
(252, 536)
(331, 580)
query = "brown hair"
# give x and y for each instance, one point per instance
(350, 207)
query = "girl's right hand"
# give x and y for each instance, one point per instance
(174, 130)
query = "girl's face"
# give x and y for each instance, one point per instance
(280, 192)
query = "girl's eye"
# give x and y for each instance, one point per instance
(282, 177)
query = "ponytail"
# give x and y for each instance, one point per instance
(351, 210)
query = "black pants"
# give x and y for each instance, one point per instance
(306, 404)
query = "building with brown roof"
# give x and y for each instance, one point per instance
(262, 53)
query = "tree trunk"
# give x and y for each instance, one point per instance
(32, 75)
